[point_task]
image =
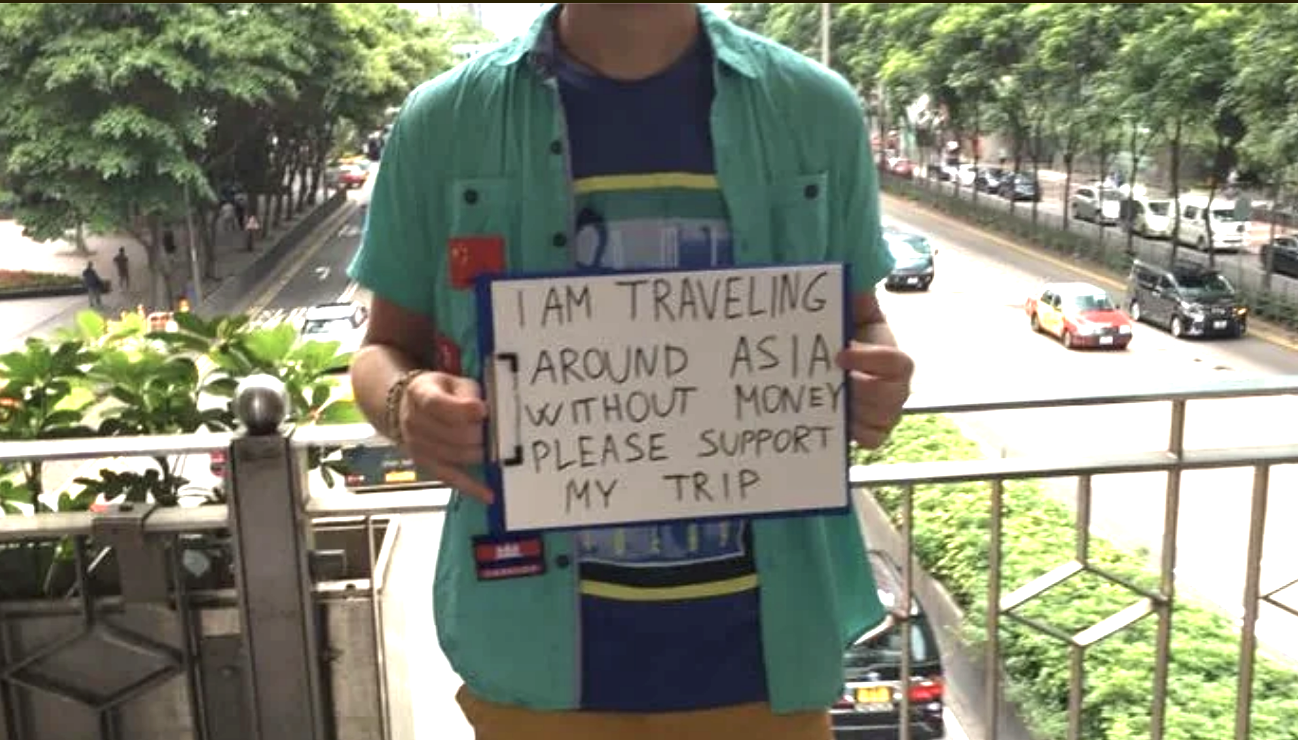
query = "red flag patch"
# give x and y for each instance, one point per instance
(471, 256)
(448, 356)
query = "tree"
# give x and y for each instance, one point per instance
(1265, 90)
(1177, 68)
(122, 116)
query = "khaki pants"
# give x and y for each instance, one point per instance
(492, 721)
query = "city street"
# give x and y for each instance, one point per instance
(971, 335)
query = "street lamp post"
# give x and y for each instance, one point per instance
(824, 33)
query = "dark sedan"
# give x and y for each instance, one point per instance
(1284, 259)
(870, 708)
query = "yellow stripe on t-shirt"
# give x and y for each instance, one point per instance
(669, 593)
(647, 181)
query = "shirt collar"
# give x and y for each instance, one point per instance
(536, 45)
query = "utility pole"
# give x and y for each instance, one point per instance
(824, 34)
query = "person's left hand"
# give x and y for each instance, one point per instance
(880, 384)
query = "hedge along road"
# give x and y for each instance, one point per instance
(969, 334)
(1243, 268)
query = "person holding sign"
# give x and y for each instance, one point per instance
(610, 138)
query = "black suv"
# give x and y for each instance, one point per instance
(1188, 299)
(871, 703)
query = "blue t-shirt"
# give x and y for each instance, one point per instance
(669, 614)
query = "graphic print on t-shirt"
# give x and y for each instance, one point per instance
(669, 613)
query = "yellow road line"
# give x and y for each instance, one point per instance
(1266, 332)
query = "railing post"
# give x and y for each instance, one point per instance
(271, 546)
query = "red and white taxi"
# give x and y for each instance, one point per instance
(1080, 314)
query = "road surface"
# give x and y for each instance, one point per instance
(970, 332)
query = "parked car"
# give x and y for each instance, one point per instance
(1188, 299)
(913, 260)
(1150, 217)
(988, 179)
(1080, 315)
(870, 706)
(1229, 228)
(1019, 186)
(1285, 261)
(1099, 203)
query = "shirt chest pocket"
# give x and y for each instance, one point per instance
(482, 237)
(483, 207)
(800, 218)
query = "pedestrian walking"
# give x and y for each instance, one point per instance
(95, 287)
(123, 265)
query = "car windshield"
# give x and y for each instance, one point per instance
(1224, 214)
(1092, 302)
(1160, 207)
(328, 326)
(909, 247)
(1207, 284)
(886, 649)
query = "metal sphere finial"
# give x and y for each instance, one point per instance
(261, 404)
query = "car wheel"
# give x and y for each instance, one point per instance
(1035, 323)
(1178, 327)
(924, 285)
(1067, 339)
(1134, 310)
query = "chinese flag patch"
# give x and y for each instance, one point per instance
(471, 256)
(448, 356)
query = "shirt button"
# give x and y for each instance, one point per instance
(563, 561)
(560, 239)
(556, 147)
(470, 196)
(811, 191)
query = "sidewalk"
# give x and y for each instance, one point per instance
(41, 316)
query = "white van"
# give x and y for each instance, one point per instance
(1229, 234)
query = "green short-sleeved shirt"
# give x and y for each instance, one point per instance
(481, 150)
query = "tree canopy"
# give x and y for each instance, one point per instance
(120, 115)
(1207, 80)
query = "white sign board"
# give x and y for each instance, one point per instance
(647, 397)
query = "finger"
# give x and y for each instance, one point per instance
(450, 454)
(872, 393)
(877, 360)
(451, 409)
(432, 429)
(467, 484)
(869, 437)
(457, 478)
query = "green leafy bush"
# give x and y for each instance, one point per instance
(12, 281)
(951, 541)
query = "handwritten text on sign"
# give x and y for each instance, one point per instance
(660, 396)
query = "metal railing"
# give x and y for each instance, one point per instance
(272, 650)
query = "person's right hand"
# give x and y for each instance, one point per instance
(441, 425)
